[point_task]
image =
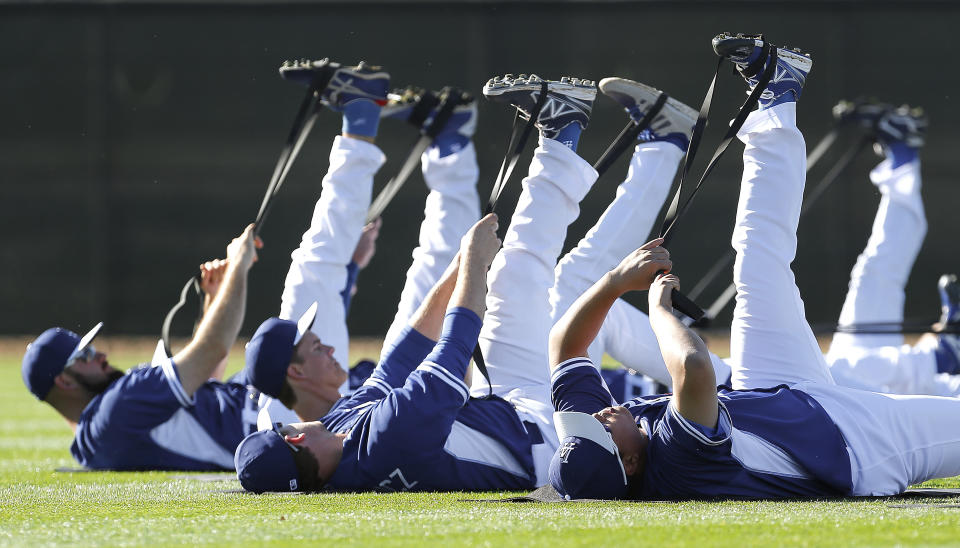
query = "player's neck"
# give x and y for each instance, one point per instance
(310, 406)
(71, 408)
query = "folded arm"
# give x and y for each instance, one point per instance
(686, 356)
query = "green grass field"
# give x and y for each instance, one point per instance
(39, 506)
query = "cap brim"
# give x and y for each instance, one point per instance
(582, 425)
(85, 341)
(305, 322)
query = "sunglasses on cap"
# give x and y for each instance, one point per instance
(85, 355)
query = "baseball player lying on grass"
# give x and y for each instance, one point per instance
(877, 362)
(785, 429)
(413, 425)
(171, 416)
(174, 416)
(307, 389)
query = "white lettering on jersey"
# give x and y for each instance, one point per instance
(397, 475)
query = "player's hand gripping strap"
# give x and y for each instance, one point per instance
(518, 139)
(724, 262)
(302, 124)
(449, 99)
(628, 136)
(680, 302)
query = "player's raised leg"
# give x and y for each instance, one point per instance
(452, 207)
(625, 226)
(770, 340)
(517, 324)
(876, 291)
(318, 266)
(627, 221)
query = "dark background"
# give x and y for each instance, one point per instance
(138, 138)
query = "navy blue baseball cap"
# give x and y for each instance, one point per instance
(264, 462)
(271, 348)
(587, 465)
(48, 355)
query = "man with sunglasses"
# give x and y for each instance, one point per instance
(171, 416)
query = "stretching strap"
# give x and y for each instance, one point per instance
(680, 302)
(628, 135)
(518, 138)
(449, 99)
(302, 124)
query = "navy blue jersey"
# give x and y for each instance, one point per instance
(146, 421)
(769, 443)
(413, 427)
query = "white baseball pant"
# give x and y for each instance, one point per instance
(893, 441)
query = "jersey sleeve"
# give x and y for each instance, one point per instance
(682, 438)
(396, 365)
(576, 385)
(421, 413)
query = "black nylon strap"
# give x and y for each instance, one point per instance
(628, 136)
(676, 210)
(451, 99)
(194, 284)
(302, 124)
(515, 147)
(812, 160)
(808, 201)
(886, 328)
(421, 111)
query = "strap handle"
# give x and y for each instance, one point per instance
(194, 284)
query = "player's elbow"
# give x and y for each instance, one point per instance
(694, 364)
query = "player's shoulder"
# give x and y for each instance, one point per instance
(652, 407)
(573, 369)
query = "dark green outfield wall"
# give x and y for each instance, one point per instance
(136, 139)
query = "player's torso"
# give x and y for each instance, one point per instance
(138, 424)
(486, 448)
(772, 443)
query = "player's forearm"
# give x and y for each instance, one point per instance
(681, 348)
(690, 367)
(218, 330)
(428, 319)
(471, 287)
(572, 335)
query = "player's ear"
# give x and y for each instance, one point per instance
(64, 382)
(295, 371)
